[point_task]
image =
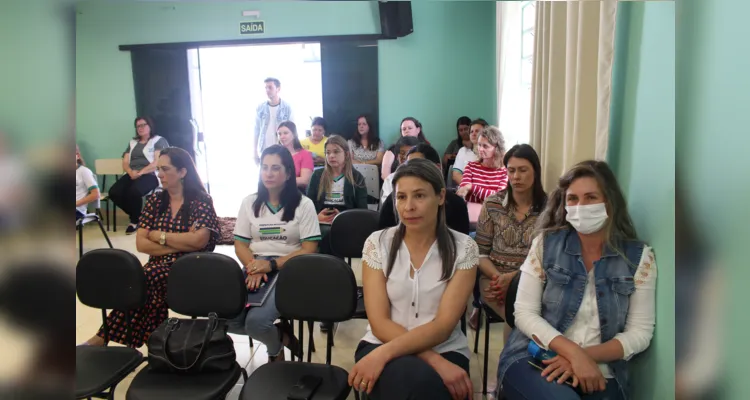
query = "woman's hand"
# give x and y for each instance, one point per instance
(326, 215)
(154, 236)
(498, 285)
(463, 190)
(590, 378)
(454, 377)
(367, 371)
(253, 281)
(559, 368)
(257, 267)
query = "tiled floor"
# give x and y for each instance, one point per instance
(347, 335)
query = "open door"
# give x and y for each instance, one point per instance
(196, 105)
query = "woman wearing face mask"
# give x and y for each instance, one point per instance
(485, 177)
(586, 292)
(409, 127)
(417, 278)
(469, 152)
(316, 143)
(504, 229)
(277, 207)
(303, 160)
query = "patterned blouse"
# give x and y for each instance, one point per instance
(201, 214)
(363, 153)
(502, 238)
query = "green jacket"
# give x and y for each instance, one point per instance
(355, 194)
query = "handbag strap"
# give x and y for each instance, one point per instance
(172, 325)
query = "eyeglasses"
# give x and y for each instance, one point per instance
(141, 125)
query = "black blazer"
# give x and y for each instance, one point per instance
(456, 213)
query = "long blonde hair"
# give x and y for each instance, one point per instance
(326, 180)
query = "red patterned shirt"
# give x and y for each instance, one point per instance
(484, 181)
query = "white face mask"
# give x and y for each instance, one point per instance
(587, 219)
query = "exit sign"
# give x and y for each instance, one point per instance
(252, 27)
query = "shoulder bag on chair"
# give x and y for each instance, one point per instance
(191, 346)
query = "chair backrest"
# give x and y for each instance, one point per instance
(111, 279)
(510, 300)
(202, 283)
(350, 229)
(316, 287)
(372, 178)
(108, 166)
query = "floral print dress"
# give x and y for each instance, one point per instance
(145, 320)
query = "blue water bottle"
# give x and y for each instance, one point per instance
(539, 353)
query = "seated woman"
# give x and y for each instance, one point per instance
(303, 160)
(176, 221)
(337, 187)
(139, 163)
(417, 278)
(316, 143)
(403, 146)
(504, 229)
(468, 153)
(278, 206)
(366, 146)
(456, 214)
(463, 129)
(409, 127)
(586, 292)
(487, 176)
(87, 190)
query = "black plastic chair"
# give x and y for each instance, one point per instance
(199, 283)
(491, 318)
(349, 231)
(94, 217)
(108, 279)
(310, 287)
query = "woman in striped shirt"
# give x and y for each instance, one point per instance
(486, 176)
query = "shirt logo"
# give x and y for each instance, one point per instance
(272, 232)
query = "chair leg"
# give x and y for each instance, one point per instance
(105, 234)
(114, 217)
(311, 344)
(356, 394)
(486, 354)
(301, 341)
(479, 328)
(80, 241)
(106, 210)
(244, 374)
(463, 322)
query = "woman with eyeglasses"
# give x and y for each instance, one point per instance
(178, 220)
(139, 163)
(273, 226)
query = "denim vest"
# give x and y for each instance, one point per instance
(563, 293)
(262, 118)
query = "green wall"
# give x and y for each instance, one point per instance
(445, 69)
(642, 142)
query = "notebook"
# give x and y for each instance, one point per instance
(256, 298)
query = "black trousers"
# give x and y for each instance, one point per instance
(409, 377)
(128, 194)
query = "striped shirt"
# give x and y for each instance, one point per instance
(484, 181)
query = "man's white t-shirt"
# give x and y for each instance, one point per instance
(85, 182)
(336, 197)
(271, 137)
(463, 158)
(268, 235)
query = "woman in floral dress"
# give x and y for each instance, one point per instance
(176, 221)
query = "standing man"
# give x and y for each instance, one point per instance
(268, 116)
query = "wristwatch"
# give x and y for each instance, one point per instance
(274, 266)
(163, 239)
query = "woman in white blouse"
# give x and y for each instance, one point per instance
(417, 279)
(586, 292)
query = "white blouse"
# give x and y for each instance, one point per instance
(415, 301)
(585, 330)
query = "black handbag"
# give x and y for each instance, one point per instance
(191, 346)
